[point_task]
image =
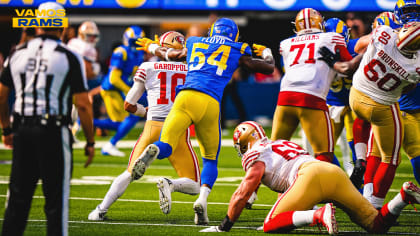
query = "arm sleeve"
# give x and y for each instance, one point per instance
(135, 92)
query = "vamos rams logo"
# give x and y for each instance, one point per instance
(43, 18)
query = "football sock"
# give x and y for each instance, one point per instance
(383, 179)
(360, 150)
(371, 167)
(377, 202)
(126, 125)
(165, 150)
(415, 162)
(396, 205)
(209, 172)
(383, 221)
(106, 124)
(118, 187)
(323, 157)
(361, 132)
(335, 161)
(204, 194)
(302, 218)
(185, 185)
(282, 222)
(367, 191)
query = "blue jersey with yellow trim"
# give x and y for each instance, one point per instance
(211, 63)
(125, 59)
(411, 100)
(340, 87)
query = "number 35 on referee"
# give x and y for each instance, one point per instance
(46, 77)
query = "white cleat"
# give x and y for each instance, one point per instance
(97, 214)
(200, 210)
(110, 150)
(165, 202)
(326, 216)
(410, 193)
(145, 159)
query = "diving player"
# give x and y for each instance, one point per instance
(211, 63)
(285, 167)
(159, 80)
(115, 86)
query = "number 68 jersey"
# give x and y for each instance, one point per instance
(160, 80)
(282, 160)
(384, 71)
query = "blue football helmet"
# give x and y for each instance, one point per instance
(338, 26)
(131, 34)
(225, 27)
(385, 20)
(407, 10)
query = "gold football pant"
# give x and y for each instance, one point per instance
(200, 109)
(316, 124)
(411, 142)
(322, 182)
(183, 158)
(114, 105)
(386, 124)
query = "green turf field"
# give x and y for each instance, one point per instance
(137, 211)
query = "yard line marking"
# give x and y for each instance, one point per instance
(200, 226)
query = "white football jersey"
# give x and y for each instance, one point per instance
(282, 159)
(160, 79)
(384, 71)
(85, 49)
(303, 72)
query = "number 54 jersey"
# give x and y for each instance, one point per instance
(384, 71)
(282, 160)
(160, 79)
(304, 73)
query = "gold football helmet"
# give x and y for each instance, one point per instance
(309, 20)
(88, 31)
(246, 134)
(409, 38)
(172, 39)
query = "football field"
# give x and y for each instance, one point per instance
(137, 212)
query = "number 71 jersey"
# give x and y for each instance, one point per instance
(384, 71)
(160, 79)
(304, 73)
(282, 160)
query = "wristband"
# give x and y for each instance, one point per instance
(6, 131)
(166, 54)
(141, 111)
(266, 53)
(90, 144)
(226, 224)
(152, 48)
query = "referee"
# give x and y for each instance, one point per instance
(46, 77)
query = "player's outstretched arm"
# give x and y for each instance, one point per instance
(168, 54)
(343, 67)
(240, 197)
(264, 65)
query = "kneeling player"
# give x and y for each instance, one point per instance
(160, 99)
(285, 167)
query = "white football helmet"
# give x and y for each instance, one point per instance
(89, 32)
(172, 39)
(246, 134)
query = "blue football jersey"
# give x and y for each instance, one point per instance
(126, 60)
(340, 87)
(211, 63)
(411, 100)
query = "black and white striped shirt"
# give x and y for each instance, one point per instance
(44, 74)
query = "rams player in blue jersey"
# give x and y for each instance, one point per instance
(406, 11)
(116, 84)
(211, 63)
(338, 96)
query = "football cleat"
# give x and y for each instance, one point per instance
(410, 193)
(358, 173)
(145, 159)
(211, 229)
(97, 214)
(165, 202)
(325, 216)
(110, 150)
(200, 209)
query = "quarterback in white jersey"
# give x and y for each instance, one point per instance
(306, 82)
(304, 181)
(159, 79)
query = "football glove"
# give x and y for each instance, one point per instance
(329, 57)
(212, 229)
(258, 49)
(358, 173)
(145, 43)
